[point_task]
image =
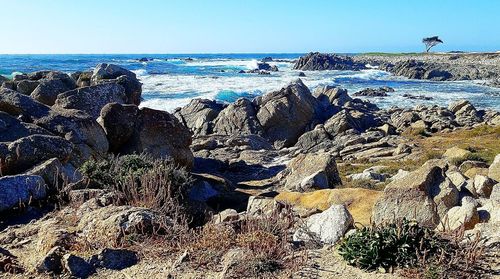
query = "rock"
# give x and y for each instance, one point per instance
(52, 262)
(12, 129)
(465, 215)
(458, 105)
(26, 86)
(87, 136)
(92, 99)
(341, 122)
(456, 154)
(55, 173)
(78, 197)
(416, 196)
(302, 74)
(239, 118)
(111, 223)
(228, 215)
(370, 92)
(285, 114)
(316, 61)
(156, 133)
(368, 175)
(199, 115)
(334, 95)
(26, 152)
(20, 189)
(457, 178)
(313, 140)
(469, 164)
(399, 175)
(483, 186)
(310, 171)
(82, 78)
(261, 206)
(51, 86)
(327, 227)
(115, 259)
(17, 104)
(387, 129)
(359, 201)
(76, 266)
(110, 71)
(494, 169)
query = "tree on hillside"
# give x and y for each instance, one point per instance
(430, 42)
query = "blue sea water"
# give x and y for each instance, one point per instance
(172, 80)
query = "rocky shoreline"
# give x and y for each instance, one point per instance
(438, 67)
(248, 159)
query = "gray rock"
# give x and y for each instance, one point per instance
(199, 115)
(26, 152)
(26, 86)
(55, 173)
(316, 61)
(52, 261)
(76, 266)
(51, 86)
(115, 259)
(312, 171)
(465, 215)
(239, 118)
(285, 114)
(20, 189)
(156, 133)
(494, 169)
(416, 196)
(92, 99)
(328, 226)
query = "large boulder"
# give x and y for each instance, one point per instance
(51, 85)
(424, 195)
(109, 73)
(19, 105)
(153, 132)
(110, 224)
(18, 189)
(286, 114)
(311, 171)
(12, 128)
(239, 118)
(494, 170)
(26, 152)
(328, 226)
(358, 201)
(92, 99)
(316, 61)
(465, 215)
(199, 115)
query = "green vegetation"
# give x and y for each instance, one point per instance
(419, 252)
(394, 245)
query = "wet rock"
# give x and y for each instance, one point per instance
(370, 92)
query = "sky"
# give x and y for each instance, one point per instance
(249, 26)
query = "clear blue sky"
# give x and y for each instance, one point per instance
(223, 26)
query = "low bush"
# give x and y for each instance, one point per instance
(417, 250)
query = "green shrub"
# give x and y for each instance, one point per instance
(394, 245)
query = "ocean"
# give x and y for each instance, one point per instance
(171, 80)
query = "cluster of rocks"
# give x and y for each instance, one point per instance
(263, 68)
(51, 123)
(439, 67)
(316, 61)
(379, 92)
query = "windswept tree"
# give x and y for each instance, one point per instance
(431, 42)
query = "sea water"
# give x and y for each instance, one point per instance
(171, 81)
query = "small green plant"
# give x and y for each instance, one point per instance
(394, 245)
